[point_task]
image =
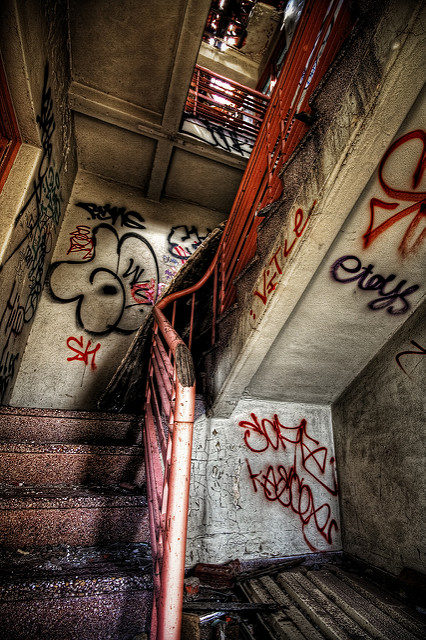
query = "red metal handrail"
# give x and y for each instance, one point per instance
(169, 420)
(224, 102)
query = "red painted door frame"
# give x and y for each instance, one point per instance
(10, 139)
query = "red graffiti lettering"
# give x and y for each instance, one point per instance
(182, 253)
(144, 292)
(409, 244)
(276, 263)
(80, 240)
(81, 353)
(287, 486)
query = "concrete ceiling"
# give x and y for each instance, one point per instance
(132, 64)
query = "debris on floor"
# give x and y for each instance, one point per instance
(296, 599)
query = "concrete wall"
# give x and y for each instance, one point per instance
(369, 282)
(115, 254)
(263, 483)
(33, 46)
(379, 433)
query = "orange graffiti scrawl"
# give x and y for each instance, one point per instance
(413, 236)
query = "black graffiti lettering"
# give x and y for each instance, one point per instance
(110, 291)
(226, 139)
(135, 271)
(130, 219)
(40, 225)
(11, 326)
(183, 241)
(386, 300)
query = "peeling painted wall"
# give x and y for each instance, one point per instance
(37, 190)
(115, 255)
(379, 433)
(263, 483)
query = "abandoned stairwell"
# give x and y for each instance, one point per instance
(75, 558)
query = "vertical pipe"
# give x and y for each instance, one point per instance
(172, 574)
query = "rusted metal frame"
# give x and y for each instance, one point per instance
(191, 321)
(222, 271)
(165, 393)
(240, 229)
(153, 506)
(227, 117)
(246, 239)
(196, 90)
(244, 236)
(173, 567)
(308, 66)
(251, 168)
(185, 292)
(155, 463)
(237, 107)
(334, 40)
(290, 80)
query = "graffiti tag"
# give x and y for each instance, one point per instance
(82, 354)
(104, 293)
(393, 300)
(39, 227)
(272, 272)
(417, 211)
(81, 240)
(288, 484)
(11, 325)
(421, 351)
(108, 213)
(183, 241)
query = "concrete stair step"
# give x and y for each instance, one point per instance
(51, 425)
(65, 593)
(79, 516)
(67, 559)
(59, 464)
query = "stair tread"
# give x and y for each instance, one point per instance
(11, 446)
(65, 555)
(70, 496)
(64, 413)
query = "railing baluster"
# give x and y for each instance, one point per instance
(191, 322)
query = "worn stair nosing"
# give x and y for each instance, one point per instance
(66, 414)
(53, 448)
(74, 585)
(67, 498)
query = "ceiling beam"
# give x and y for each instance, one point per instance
(185, 58)
(159, 169)
(123, 114)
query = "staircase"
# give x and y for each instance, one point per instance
(74, 556)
